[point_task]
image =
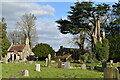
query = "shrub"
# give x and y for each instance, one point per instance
(101, 50)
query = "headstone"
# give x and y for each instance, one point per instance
(59, 64)
(104, 65)
(46, 62)
(36, 58)
(38, 67)
(92, 67)
(83, 66)
(67, 65)
(49, 60)
(25, 73)
(111, 73)
(111, 63)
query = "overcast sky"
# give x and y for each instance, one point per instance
(47, 13)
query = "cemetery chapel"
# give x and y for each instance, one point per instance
(19, 51)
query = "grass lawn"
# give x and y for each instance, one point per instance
(14, 69)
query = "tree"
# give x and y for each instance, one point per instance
(113, 33)
(114, 47)
(28, 28)
(42, 50)
(4, 42)
(16, 37)
(86, 20)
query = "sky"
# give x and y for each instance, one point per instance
(47, 12)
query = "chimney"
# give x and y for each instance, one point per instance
(61, 47)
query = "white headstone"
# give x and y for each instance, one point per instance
(67, 65)
(83, 66)
(38, 67)
(25, 73)
(111, 61)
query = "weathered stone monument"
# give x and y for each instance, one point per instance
(67, 65)
(49, 60)
(104, 65)
(25, 73)
(46, 62)
(83, 66)
(59, 64)
(111, 73)
(38, 67)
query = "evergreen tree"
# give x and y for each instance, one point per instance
(84, 19)
(113, 33)
(5, 44)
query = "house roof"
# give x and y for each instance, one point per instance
(18, 48)
(63, 51)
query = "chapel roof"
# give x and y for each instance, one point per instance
(18, 48)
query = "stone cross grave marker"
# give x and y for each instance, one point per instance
(25, 73)
(49, 60)
(111, 73)
(83, 66)
(38, 67)
(59, 64)
(67, 65)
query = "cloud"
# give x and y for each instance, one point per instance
(49, 33)
(12, 11)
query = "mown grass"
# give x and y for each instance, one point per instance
(14, 69)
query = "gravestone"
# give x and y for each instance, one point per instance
(111, 63)
(92, 68)
(83, 66)
(67, 65)
(25, 73)
(38, 67)
(49, 60)
(59, 64)
(46, 62)
(104, 65)
(111, 73)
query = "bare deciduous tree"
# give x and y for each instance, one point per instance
(16, 37)
(28, 28)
